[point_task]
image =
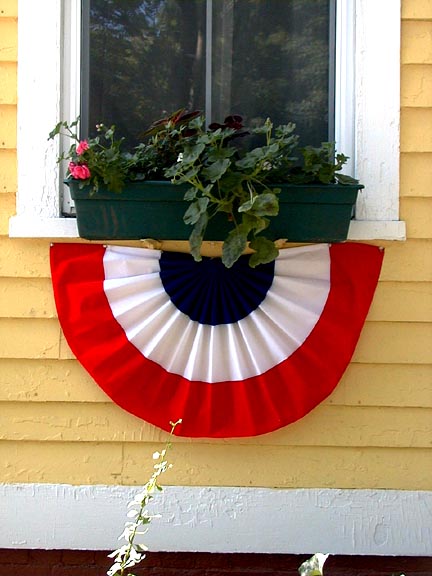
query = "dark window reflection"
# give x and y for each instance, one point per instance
(268, 58)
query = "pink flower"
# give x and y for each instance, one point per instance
(79, 171)
(82, 147)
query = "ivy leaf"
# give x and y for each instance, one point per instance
(345, 179)
(265, 251)
(192, 153)
(190, 194)
(231, 180)
(255, 223)
(216, 170)
(184, 178)
(195, 211)
(234, 246)
(220, 153)
(247, 206)
(265, 204)
(250, 159)
(197, 235)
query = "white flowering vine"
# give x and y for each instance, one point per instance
(131, 553)
(314, 566)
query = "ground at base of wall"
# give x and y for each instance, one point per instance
(88, 563)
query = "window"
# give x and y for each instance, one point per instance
(366, 80)
(250, 57)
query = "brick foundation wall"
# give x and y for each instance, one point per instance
(87, 563)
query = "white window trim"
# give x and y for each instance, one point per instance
(48, 45)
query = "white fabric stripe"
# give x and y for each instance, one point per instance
(227, 352)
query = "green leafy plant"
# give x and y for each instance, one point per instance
(222, 179)
(224, 175)
(131, 553)
(314, 566)
(98, 160)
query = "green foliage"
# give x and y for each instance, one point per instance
(314, 566)
(131, 553)
(96, 161)
(321, 165)
(223, 175)
(228, 178)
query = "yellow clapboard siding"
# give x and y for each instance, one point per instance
(362, 384)
(9, 8)
(65, 351)
(416, 175)
(8, 83)
(7, 209)
(47, 381)
(417, 9)
(8, 126)
(26, 298)
(402, 301)
(29, 338)
(217, 465)
(8, 39)
(393, 342)
(404, 261)
(416, 42)
(417, 212)
(385, 385)
(416, 85)
(416, 130)
(8, 171)
(61, 463)
(286, 467)
(325, 426)
(24, 258)
(408, 261)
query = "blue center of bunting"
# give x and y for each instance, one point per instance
(210, 293)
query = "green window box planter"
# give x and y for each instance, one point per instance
(155, 209)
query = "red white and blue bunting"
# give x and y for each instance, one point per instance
(233, 352)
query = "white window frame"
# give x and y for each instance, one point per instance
(367, 90)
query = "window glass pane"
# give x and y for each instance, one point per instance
(263, 58)
(146, 59)
(271, 58)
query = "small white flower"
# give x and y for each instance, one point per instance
(180, 157)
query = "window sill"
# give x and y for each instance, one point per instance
(25, 227)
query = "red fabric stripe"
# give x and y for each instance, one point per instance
(226, 409)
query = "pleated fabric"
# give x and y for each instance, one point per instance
(233, 352)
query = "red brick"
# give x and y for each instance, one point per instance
(13, 556)
(48, 557)
(75, 557)
(25, 570)
(89, 563)
(76, 570)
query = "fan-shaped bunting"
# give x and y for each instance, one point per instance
(233, 352)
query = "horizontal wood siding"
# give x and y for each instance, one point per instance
(374, 431)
